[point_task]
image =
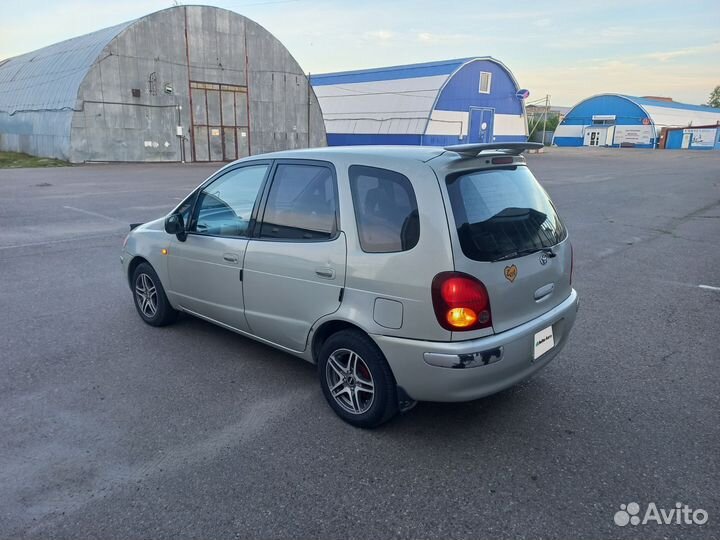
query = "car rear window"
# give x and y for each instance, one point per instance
(502, 213)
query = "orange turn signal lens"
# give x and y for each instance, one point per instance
(461, 317)
(163, 251)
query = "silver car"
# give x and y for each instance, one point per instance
(404, 273)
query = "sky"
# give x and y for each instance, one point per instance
(568, 50)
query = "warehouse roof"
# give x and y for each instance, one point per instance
(49, 78)
(389, 73)
(670, 104)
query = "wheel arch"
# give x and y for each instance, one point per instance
(327, 329)
(136, 261)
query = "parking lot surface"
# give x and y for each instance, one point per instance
(111, 428)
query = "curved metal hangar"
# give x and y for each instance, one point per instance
(194, 83)
(468, 100)
(627, 121)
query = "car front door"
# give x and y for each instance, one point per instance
(205, 269)
(295, 263)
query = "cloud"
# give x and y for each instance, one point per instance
(618, 34)
(666, 56)
(430, 38)
(688, 83)
(380, 35)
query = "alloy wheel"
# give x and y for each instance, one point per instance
(146, 295)
(350, 381)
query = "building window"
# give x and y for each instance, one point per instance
(485, 81)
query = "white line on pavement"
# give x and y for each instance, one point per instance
(709, 288)
(89, 213)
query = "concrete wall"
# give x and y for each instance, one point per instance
(111, 125)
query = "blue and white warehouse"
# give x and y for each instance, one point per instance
(626, 121)
(469, 100)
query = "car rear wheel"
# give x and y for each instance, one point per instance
(356, 379)
(150, 300)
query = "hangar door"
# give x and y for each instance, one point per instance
(482, 120)
(219, 121)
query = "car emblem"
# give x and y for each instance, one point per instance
(543, 258)
(511, 273)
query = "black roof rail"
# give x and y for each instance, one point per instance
(512, 148)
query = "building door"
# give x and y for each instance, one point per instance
(593, 137)
(219, 121)
(687, 137)
(481, 125)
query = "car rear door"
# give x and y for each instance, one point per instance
(509, 236)
(294, 266)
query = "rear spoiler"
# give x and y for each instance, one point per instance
(474, 150)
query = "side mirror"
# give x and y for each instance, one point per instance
(174, 224)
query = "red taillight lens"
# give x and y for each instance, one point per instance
(461, 302)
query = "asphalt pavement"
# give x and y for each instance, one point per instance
(110, 428)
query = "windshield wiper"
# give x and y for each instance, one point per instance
(516, 254)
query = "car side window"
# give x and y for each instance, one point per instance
(224, 207)
(386, 210)
(301, 204)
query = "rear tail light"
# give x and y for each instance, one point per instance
(461, 302)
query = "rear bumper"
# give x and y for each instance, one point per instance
(467, 370)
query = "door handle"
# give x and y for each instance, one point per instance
(544, 291)
(325, 272)
(231, 258)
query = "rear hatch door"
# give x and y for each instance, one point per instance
(508, 235)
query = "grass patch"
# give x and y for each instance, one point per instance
(13, 160)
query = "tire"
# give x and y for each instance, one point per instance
(149, 296)
(364, 395)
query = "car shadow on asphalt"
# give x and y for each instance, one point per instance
(515, 405)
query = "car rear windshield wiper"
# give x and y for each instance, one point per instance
(516, 254)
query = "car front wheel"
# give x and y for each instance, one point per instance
(150, 300)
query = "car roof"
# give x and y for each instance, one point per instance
(440, 159)
(413, 153)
